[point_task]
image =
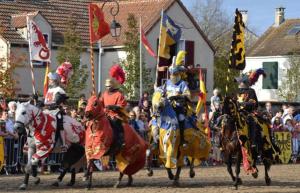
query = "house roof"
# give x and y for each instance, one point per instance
(58, 13)
(276, 41)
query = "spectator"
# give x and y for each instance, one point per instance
(143, 127)
(277, 115)
(215, 100)
(132, 121)
(277, 125)
(145, 97)
(82, 102)
(288, 113)
(291, 128)
(137, 111)
(146, 109)
(268, 111)
(10, 137)
(12, 106)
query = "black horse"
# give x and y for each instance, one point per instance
(232, 140)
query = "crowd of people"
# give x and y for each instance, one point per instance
(285, 119)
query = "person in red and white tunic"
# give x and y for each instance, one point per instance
(54, 100)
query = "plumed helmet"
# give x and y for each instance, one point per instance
(177, 63)
(117, 73)
(65, 71)
(53, 76)
(251, 77)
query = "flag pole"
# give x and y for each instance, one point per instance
(141, 60)
(99, 67)
(92, 69)
(159, 42)
(30, 56)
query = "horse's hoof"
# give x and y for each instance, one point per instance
(117, 184)
(171, 176)
(88, 187)
(176, 183)
(71, 183)
(236, 187)
(268, 181)
(192, 174)
(150, 173)
(23, 187)
(37, 181)
(130, 180)
(239, 181)
(55, 184)
(255, 174)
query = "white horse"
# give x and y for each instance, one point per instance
(41, 138)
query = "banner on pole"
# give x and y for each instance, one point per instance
(38, 44)
(98, 26)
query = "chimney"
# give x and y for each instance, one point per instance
(279, 16)
(245, 16)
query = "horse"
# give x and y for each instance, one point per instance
(171, 153)
(234, 140)
(100, 142)
(41, 139)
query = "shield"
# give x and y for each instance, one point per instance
(284, 141)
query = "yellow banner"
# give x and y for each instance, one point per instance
(284, 141)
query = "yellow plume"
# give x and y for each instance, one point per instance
(180, 57)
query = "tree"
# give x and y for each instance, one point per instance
(218, 26)
(291, 90)
(131, 64)
(70, 51)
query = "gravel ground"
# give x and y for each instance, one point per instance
(285, 178)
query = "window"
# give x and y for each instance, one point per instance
(189, 47)
(271, 70)
(294, 30)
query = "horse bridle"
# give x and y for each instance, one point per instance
(33, 118)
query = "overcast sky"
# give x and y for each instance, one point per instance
(260, 12)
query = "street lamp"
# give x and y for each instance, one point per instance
(115, 27)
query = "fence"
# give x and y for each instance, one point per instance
(16, 158)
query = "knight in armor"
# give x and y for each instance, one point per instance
(178, 92)
(114, 102)
(248, 102)
(54, 99)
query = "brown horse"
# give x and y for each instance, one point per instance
(232, 138)
(100, 142)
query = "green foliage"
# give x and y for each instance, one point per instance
(221, 73)
(70, 51)
(290, 87)
(131, 64)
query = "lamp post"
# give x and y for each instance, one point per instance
(115, 27)
(115, 31)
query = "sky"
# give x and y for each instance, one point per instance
(261, 13)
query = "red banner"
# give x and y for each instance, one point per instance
(98, 26)
(147, 45)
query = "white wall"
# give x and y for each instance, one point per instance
(203, 53)
(23, 73)
(253, 63)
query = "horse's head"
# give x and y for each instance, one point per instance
(24, 114)
(230, 106)
(158, 100)
(228, 133)
(94, 107)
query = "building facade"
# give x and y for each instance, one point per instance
(51, 16)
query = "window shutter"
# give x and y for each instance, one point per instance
(271, 70)
(190, 49)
